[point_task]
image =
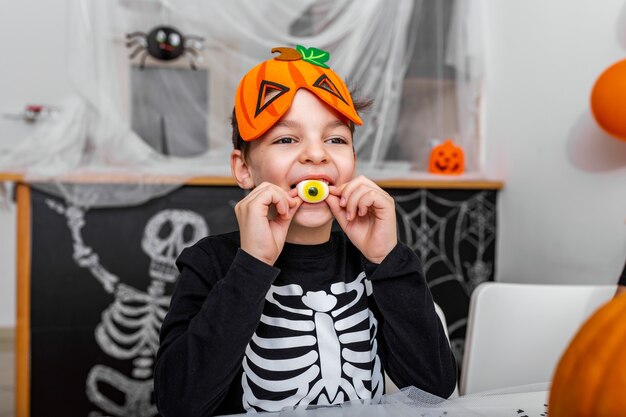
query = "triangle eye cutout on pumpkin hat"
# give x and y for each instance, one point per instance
(326, 84)
(266, 88)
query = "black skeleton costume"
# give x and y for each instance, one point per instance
(319, 327)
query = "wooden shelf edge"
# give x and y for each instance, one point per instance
(442, 184)
(431, 183)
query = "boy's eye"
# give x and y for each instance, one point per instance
(285, 139)
(337, 139)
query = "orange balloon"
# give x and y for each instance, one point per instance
(608, 100)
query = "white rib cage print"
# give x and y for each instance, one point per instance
(325, 352)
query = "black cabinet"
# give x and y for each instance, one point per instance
(101, 280)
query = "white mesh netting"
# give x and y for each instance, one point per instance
(136, 120)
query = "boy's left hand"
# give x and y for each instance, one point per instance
(367, 214)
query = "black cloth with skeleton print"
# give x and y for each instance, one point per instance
(242, 335)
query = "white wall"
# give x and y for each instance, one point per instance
(562, 211)
(32, 70)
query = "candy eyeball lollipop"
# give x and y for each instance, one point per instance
(313, 191)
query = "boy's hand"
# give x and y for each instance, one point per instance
(264, 216)
(367, 214)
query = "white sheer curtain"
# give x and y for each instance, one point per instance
(130, 121)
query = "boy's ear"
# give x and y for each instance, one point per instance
(239, 169)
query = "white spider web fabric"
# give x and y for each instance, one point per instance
(426, 232)
(94, 132)
(524, 400)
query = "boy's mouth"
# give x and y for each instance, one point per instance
(323, 179)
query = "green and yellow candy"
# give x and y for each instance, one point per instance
(313, 191)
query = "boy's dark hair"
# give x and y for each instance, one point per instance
(239, 143)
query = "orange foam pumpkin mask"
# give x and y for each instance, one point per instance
(447, 158)
(266, 92)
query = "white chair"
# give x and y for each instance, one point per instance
(516, 333)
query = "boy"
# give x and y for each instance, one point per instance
(285, 312)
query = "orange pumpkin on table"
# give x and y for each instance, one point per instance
(590, 379)
(447, 159)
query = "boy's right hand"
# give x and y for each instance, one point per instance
(264, 217)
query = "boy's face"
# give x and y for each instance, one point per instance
(311, 140)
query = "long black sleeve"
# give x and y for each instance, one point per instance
(212, 316)
(414, 347)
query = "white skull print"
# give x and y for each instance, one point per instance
(317, 347)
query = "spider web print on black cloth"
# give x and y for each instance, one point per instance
(453, 232)
(322, 344)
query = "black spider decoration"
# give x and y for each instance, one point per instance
(164, 43)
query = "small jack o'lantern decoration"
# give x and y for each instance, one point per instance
(447, 159)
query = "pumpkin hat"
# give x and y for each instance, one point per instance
(265, 93)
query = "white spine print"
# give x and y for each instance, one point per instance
(327, 339)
